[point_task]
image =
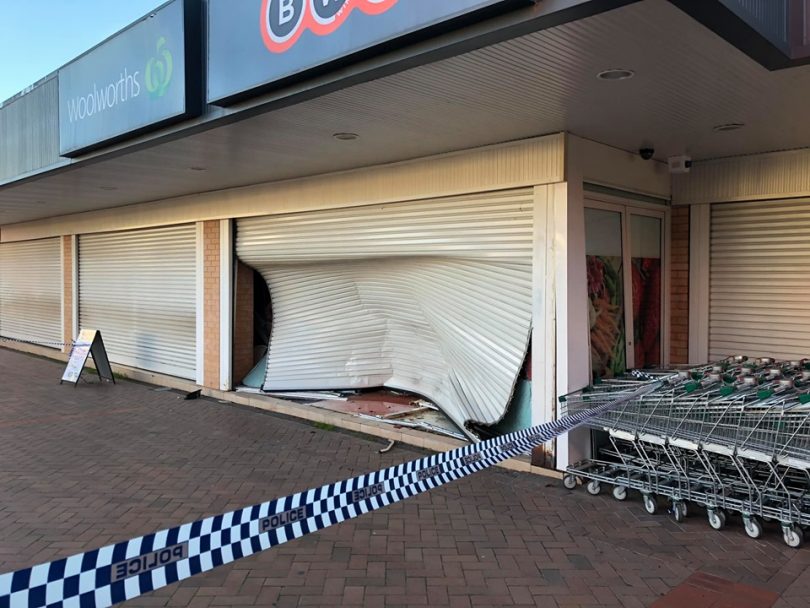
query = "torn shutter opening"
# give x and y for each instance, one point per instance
(432, 297)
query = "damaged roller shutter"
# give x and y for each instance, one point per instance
(31, 291)
(139, 289)
(432, 297)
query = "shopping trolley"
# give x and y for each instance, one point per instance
(732, 437)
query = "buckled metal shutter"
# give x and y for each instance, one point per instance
(431, 296)
(31, 291)
(139, 289)
(760, 293)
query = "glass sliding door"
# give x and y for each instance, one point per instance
(646, 255)
(603, 250)
(624, 256)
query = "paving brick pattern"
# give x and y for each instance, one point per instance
(84, 467)
(705, 591)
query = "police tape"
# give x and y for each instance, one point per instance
(38, 342)
(116, 573)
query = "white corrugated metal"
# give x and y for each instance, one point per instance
(745, 178)
(30, 128)
(760, 295)
(31, 290)
(139, 289)
(428, 296)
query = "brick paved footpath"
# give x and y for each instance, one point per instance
(87, 466)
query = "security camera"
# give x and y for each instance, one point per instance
(646, 153)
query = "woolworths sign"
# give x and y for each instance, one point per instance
(131, 83)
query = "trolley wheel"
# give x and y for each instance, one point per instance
(793, 536)
(650, 504)
(679, 511)
(717, 518)
(753, 526)
(619, 492)
(593, 487)
(569, 481)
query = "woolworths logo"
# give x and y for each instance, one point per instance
(159, 70)
(157, 77)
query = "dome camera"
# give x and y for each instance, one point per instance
(646, 153)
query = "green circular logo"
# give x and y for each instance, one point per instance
(159, 70)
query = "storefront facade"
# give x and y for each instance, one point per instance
(416, 224)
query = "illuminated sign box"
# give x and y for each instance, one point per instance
(140, 79)
(255, 44)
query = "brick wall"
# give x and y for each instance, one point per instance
(679, 286)
(243, 323)
(211, 238)
(67, 286)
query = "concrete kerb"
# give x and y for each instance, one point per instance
(421, 439)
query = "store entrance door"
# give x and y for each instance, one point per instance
(624, 248)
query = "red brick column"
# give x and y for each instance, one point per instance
(211, 287)
(679, 286)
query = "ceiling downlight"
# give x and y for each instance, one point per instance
(616, 74)
(729, 126)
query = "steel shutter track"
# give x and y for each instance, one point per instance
(760, 294)
(139, 289)
(31, 291)
(430, 296)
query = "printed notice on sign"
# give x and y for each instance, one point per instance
(78, 356)
(89, 343)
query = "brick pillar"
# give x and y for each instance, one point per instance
(679, 286)
(211, 288)
(67, 287)
(243, 323)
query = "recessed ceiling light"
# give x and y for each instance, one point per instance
(729, 126)
(615, 74)
(107, 188)
(197, 168)
(346, 136)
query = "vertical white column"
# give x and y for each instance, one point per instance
(225, 304)
(74, 250)
(62, 291)
(544, 316)
(573, 334)
(560, 334)
(200, 285)
(573, 326)
(699, 242)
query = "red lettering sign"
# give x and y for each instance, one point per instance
(282, 22)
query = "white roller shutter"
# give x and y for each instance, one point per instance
(760, 293)
(429, 296)
(139, 289)
(31, 291)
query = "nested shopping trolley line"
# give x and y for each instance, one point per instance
(733, 437)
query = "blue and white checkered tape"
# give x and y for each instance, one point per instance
(131, 568)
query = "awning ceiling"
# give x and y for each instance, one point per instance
(687, 81)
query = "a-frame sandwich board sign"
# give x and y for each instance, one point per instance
(90, 343)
